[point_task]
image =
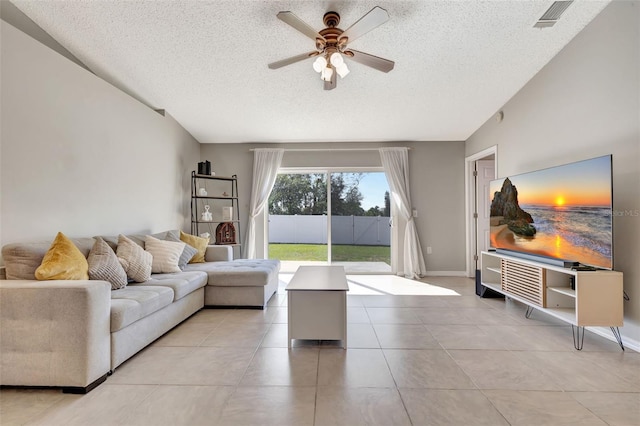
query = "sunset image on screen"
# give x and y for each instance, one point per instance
(563, 212)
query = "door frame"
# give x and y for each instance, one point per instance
(470, 202)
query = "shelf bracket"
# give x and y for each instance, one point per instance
(578, 336)
(616, 334)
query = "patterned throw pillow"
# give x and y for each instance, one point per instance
(104, 265)
(166, 254)
(198, 243)
(63, 261)
(187, 253)
(135, 261)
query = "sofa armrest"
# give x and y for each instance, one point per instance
(54, 333)
(218, 253)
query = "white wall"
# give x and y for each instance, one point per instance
(80, 156)
(583, 104)
(437, 187)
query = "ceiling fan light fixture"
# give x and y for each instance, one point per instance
(327, 73)
(319, 64)
(336, 59)
(342, 70)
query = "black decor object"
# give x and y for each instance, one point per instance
(202, 168)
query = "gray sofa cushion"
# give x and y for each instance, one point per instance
(132, 303)
(238, 273)
(182, 283)
(22, 259)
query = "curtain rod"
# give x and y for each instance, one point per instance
(331, 149)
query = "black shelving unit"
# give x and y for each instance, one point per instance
(215, 187)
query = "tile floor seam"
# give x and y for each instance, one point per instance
(460, 367)
(588, 409)
(494, 406)
(253, 355)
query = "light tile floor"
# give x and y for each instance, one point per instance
(421, 353)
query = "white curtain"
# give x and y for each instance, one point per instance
(266, 162)
(396, 168)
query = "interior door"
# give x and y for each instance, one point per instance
(485, 173)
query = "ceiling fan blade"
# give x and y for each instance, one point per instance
(330, 85)
(373, 19)
(297, 23)
(292, 60)
(372, 61)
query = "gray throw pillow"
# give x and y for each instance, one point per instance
(104, 265)
(187, 253)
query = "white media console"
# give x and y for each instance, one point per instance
(581, 298)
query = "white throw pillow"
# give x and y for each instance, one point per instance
(135, 261)
(166, 254)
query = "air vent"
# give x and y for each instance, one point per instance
(551, 16)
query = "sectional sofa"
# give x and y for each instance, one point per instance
(74, 333)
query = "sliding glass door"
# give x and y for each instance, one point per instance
(350, 227)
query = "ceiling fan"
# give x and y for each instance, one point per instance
(331, 45)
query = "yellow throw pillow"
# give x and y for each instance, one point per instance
(198, 243)
(63, 261)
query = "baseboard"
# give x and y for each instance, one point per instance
(446, 274)
(232, 307)
(607, 334)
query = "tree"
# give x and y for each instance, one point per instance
(298, 194)
(352, 202)
(307, 194)
(387, 204)
(374, 211)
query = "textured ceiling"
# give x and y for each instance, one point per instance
(205, 63)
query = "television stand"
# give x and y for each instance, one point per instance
(580, 298)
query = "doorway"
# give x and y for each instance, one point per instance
(480, 169)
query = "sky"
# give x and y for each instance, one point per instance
(584, 183)
(372, 187)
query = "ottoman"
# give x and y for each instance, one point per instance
(239, 283)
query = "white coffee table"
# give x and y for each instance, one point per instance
(317, 304)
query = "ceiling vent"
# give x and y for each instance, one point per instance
(551, 16)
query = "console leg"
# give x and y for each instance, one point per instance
(529, 312)
(616, 334)
(578, 336)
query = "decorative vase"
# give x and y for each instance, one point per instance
(206, 214)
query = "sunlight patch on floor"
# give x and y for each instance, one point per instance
(384, 285)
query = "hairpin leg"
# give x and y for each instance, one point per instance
(616, 334)
(529, 312)
(578, 336)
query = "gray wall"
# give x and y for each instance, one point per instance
(583, 104)
(80, 156)
(437, 187)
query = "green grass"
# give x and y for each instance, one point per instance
(318, 252)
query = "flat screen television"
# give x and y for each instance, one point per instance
(562, 213)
